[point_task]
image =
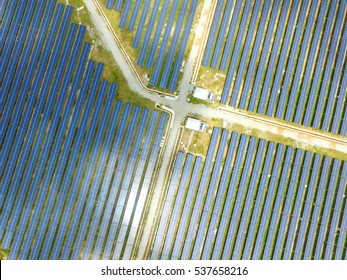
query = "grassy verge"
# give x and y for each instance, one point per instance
(4, 254)
(99, 53)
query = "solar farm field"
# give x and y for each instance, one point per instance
(76, 164)
(283, 59)
(160, 32)
(253, 199)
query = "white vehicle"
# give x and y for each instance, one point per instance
(195, 124)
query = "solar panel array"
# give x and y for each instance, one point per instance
(285, 59)
(162, 33)
(253, 199)
(76, 165)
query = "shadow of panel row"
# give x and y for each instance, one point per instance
(76, 164)
(253, 199)
(162, 30)
(284, 59)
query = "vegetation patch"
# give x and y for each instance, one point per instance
(4, 254)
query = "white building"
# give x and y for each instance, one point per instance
(203, 94)
(195, 124)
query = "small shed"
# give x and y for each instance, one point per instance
(200, 93)
(195, 124)
(203, 94)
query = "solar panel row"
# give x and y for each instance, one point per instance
(63, 170)
(258, 200)
(287, 65)
(167, 21)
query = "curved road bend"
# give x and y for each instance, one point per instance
(182, 108)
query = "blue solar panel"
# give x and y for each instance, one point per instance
(173, 46)
(280, 67)
(247, 46)
(301, 62)
(52, 87)
(288, 203)
(79, 169)
(180, 236)
(44, 159)
(34, 253)
(32, 193)
(212, 189)
(19, 135)
(318, 71)
(148, 35)
(340, 96)
(46, 114)
(119, 4)
(26, 79)
(306, 212)
(263, 58)
(6, 58)
(10, 82)
(278, 203)
(297, 206)
(63, 121)
(118, 174)
(66, 180)
(222, 32)
(115, 186)
(237, 209)
(138, 207)
(179, 201)
(158, 31)
(125, 13)
(60, 132)
(72, 159)
(258, 203)
(213, 32)
(235, 52)
(229, 198)
(199, 200)
(141, 23)
(310, 63)
(331, 64)
(327, 209)
(109, 4)
(163, 45)
(6, 21)
(127, 185)
(316, 210)
(251, 190)
(256, 254)
(83, 193)
(92, 197)
(134, 14)
(343, 224)
(288, 75)
(219, 197)
(255, 53)
(273, 58)
(183, 46)
(336, 213)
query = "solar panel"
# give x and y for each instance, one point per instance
(181, 231)
(316, 209)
